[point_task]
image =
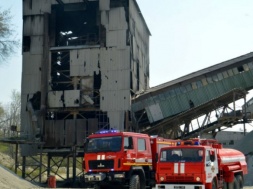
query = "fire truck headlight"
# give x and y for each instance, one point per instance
(119, 176)
(161, 178)
(197, 179)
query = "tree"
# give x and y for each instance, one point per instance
(1, 114)
(12, 113)
(8, 40)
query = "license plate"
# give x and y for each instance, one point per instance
(179, 187)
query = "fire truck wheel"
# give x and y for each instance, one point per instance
(225, 185)
(96, 186)
(240, 181)
(134, 182)
(236, 184)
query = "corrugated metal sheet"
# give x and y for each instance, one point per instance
(117, 19)
(54, 133)
(155, 112)
(171, 105)
(33, 25)
(92, 126)
(215, 68)
(81, 131)
(70, 132)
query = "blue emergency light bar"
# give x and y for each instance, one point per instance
(107, 131)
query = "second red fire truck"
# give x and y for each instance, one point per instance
(200, 164)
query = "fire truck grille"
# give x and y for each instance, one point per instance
(179, 178)
(101, 164)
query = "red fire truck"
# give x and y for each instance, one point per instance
(114, 158)
(200, 164)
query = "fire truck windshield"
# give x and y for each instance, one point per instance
(182, 155)
(108, 144)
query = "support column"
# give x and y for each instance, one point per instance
(16, 158)
(23, 166)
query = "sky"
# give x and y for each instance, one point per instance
(186, 36)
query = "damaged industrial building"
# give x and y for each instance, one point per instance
(83, 60)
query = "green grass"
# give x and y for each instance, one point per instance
(4, 148)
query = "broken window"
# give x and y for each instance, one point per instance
(60, 71)
(76, 24)
(26, 43)
(240, 69)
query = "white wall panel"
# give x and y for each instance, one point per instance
(33, 7)
(115, 100)
(115, 80)
(114, 59)
(31, 64)
(31, 83)
(31, 74)
(54, 99)
(72, 98)
(33, 25)
(84, 62)
(117, 19)
(105, 19)
(116, 39)
(104, 5)
(36, 45)
(116, 119)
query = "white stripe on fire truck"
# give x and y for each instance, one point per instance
(140, 160)
(232, 159)
(100, 157)
(175, 167)
(182, 167)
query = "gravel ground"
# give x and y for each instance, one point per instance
(11, 181)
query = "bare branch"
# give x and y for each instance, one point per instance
(8, 40)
